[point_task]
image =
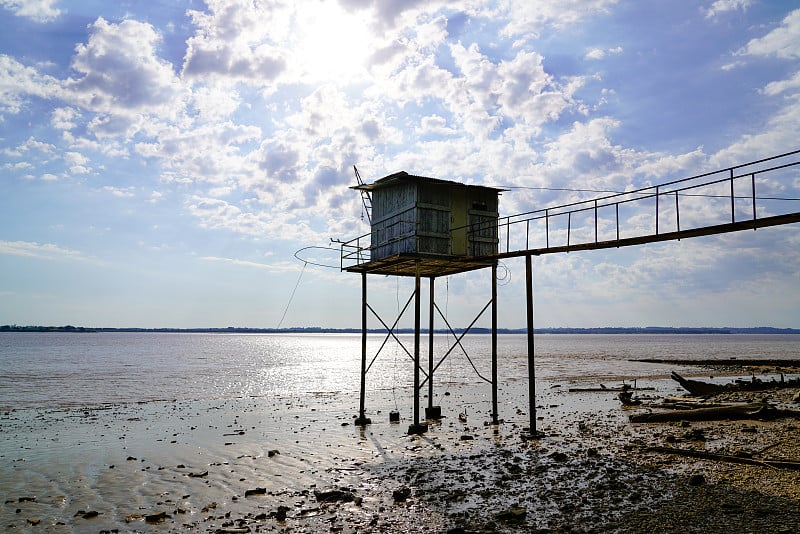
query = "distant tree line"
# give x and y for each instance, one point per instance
(321, 330)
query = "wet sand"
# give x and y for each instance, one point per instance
(299, 464)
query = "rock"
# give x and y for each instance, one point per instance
(334, 495)
(199, 475)
(158, 517)
(514, 514)
(280, 514)
(255, 491)
(273, 452)
(559, 456)
(89, 514)
(697, 480)
(34, 521)
(401, 494)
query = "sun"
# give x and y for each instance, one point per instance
(329, 43)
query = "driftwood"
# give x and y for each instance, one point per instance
(759, 411)
(700, 388)
(782, 464)
(603, 388)
(726, 362)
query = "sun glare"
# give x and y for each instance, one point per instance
(330, 43)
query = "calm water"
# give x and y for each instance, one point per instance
(59, 369)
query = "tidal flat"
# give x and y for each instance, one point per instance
(299, 464)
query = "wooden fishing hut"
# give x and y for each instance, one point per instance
(424, 228)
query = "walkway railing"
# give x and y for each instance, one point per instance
(752, 195)
(757, 194)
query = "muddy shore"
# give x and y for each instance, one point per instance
(300, 465)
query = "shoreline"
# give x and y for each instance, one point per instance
(272, 464)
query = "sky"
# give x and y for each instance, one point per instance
(164, 161)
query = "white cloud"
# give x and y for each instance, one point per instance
(19, 82)
(791, 86)
(782, 42)
(271, 267)
(525, 16)
(121, 72)
(44, 251)
(64, 118)
(36, 10)
(724, 6)
(235, 40)
(119, 192)
(600, 53)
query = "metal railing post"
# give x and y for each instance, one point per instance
(656, 210)
(547, 228)
(733, 202)
(753, 183)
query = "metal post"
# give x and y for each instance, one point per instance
(531, 367)
(733, 202)
(753, 183)
(362, 418)
(429, 412)
(547, 228)
(656, 210)
(495, 420)
(417, 427)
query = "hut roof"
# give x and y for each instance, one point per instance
(403, 176)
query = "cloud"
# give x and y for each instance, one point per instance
(45, 251)
(65, 118)
(724, 6)
(782, 42)
(18, 83)
(525, 16)
(37, 10)
(236, 40)
(271, 267)
(121, 72)
(119, 192)
(601, 53)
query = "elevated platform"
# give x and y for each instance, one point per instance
(430, 265)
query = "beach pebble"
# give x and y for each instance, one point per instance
(273, 452)
(401, 494)
(89, 514)
(255, 491)
(158, 517)
(280, 514)
(514, 514)
(34, 521)
(697, 480)
(334, 495)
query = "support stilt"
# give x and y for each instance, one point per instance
(495, 419)
(431, 412)
(417, 427)
(531, 367)
(362, 419)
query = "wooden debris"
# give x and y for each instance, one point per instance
(781, 464)
(731, 412)
(700, 388)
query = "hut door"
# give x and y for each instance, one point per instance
(458, 218)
